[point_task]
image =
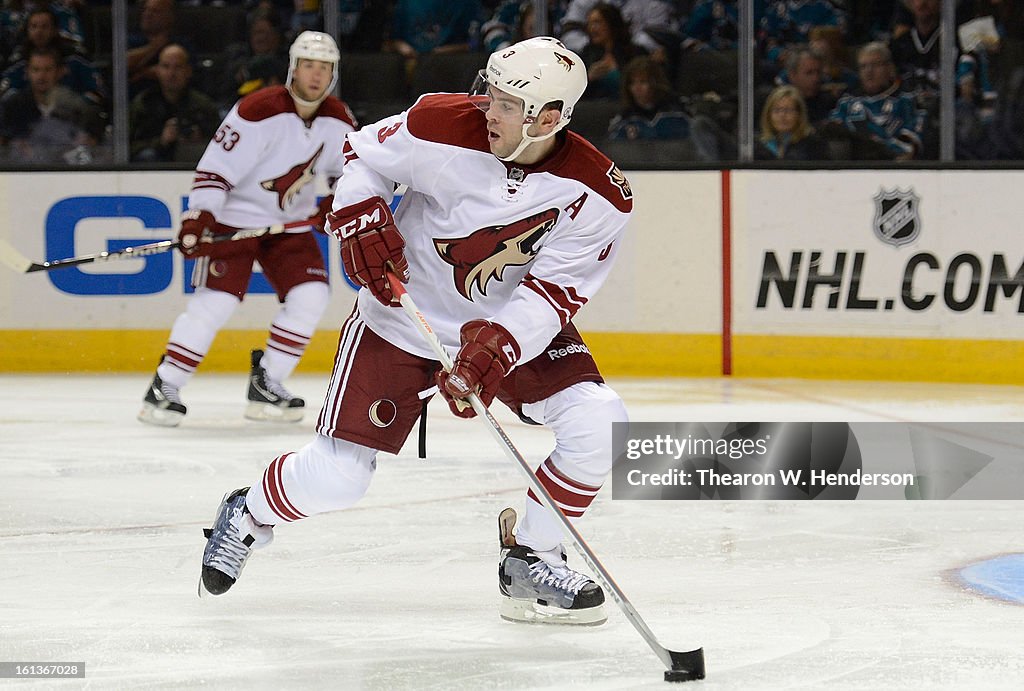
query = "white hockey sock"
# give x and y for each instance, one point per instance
(293, 327)
(581, 416)
(325, 475)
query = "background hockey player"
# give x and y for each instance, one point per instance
(259, 170)
(509, 226)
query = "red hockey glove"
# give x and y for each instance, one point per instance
(319, 219)
(487, 354)
(195, 224)
(370, 244)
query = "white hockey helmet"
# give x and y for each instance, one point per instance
(539, 71)
(313, 45)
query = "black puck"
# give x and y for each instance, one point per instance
(682, 675)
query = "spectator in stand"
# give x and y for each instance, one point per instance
(787, 23)
(264, 71)
(649, 108)
(712, 24)
(879, 113)
(156, 31)
(79, 74)
(1001, 136)
(266, 40)
(985, 67)
(12, 23)
(805, 71)
(69, 21)
(786, 134)
(828, 43)
(512, 22)
(47, 122)
(171, 121)
(432, 26)
(916, 53)
(652, 23)
(650, 111)
(990, 84)
(609, 50)
(364, 25)
(871, 20)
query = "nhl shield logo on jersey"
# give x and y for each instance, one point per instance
(291, 183)
(485, 253)
(620, 181)
(896, 216)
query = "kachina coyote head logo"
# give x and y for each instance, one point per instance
(292, 182)
(896, 216)
(564, 60)
(485, 253)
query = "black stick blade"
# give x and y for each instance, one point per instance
(686, 666)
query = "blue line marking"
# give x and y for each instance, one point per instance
(999, 577)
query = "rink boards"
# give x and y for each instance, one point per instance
(915, 275)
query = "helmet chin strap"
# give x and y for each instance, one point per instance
(303, 102)
(527, 140)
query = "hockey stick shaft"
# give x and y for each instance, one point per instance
(15, 260)
(689, 664)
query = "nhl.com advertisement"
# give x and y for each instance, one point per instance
(925, 255)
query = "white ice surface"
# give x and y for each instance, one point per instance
(100, 542)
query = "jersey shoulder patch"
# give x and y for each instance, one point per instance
(449, 119)
(582, 161)
(266, 103)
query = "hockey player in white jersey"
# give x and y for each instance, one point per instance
(510, 225)
(259, 170)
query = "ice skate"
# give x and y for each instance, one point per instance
(268, 400)
(539, 587)
(229, 543)
(162, 404)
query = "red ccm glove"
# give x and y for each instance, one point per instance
(370, 245)
(488, 353)
(195, 224)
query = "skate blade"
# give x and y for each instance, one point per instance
(532, 612)
(160, 417)
(266, 412)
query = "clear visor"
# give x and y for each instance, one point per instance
(479, 94)
(492, 100)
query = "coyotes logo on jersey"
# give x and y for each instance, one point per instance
(485, 253)
(291, 183)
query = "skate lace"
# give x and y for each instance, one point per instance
(569, 581)
(272, 386)
(170, 392)
(229, 551)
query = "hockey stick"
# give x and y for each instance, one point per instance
(682, 666)
(17, 261)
